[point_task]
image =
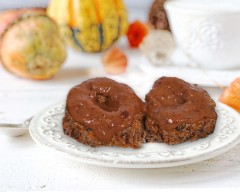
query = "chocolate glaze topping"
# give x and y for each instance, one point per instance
(104, 106)
(173, 102)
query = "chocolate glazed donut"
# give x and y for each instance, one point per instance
(101, 111)
(178, 111)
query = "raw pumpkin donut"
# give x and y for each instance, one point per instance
(177, 111)
(101, 111)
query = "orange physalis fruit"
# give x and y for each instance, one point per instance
(136, 32)
(231, 95)
(114, 61)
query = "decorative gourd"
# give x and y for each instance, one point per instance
(30, 44)
(90, 25)
(231, 95)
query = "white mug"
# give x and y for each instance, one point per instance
(208, 31)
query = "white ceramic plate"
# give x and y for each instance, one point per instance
(46, 130)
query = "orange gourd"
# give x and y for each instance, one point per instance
(231, 95)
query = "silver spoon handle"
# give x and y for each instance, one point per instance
(11, 125)
(25, 124)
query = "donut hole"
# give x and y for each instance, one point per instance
(172, 99)
(106, 103)
(180, 100)
(181, 97)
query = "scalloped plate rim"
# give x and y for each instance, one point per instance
(94, 159)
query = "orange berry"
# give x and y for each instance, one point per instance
(136, 32)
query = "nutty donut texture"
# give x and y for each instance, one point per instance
(177, 111)
(102, 112)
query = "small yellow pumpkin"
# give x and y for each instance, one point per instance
(90, 25)
(30, 44)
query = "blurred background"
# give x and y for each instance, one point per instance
(140, 7)
(157, 54)
(30, 92)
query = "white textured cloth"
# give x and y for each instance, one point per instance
(14, 4)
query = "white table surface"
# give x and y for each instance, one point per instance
(25, 166)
